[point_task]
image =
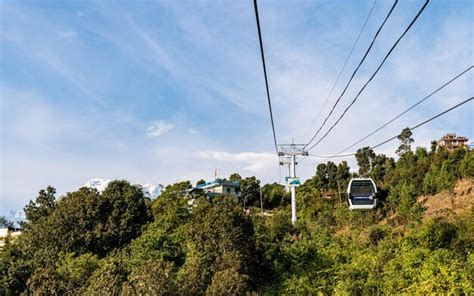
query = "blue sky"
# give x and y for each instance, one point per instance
(157, 92)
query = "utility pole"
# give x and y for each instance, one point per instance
(290, 151)
(339, 191)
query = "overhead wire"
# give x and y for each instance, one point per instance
(411, 129)
(265, 75)
(425, 122)
(342, 69)
(373, 75)
(407, 110)
(353, 73)
(330, 156)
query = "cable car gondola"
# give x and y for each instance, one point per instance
(361, 194)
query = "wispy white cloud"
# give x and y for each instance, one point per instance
(192, 57)
(67, 34)
(158, 53)
(254, 162)
(193, 131)
(158, 128)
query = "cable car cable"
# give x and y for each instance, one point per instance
(412, 128)
(265, 74)
(342, 70)
(353, 73)
(426, 121)
(373, 75)
(407, 110)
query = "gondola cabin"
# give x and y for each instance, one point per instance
(361, 194)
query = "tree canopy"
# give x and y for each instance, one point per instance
(117, 242)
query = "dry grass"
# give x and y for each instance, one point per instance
(447, 203)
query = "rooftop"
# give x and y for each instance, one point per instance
(453, 136)
(219, 182)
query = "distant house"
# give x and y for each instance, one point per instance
(6, 231)
(452, 141)
(220, 187)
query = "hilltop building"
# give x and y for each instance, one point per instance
(220, 187)
(452, 141)
(8, 231)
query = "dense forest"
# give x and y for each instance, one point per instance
(120, 243)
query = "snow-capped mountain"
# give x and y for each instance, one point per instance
(149, 190)
(98, 183)
(152, 191)
(15, 216)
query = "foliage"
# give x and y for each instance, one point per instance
(76, 270)
(365, 159)
(151, 278)
(220, 239)
(120, 243)
(235, 177)
(107, 280)
(250, 191)
(42, 207)
(274, 196)
(405, 142)
(466, 167)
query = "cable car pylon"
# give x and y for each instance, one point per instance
(287, 154)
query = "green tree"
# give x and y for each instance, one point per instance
(250, 191)
(228, 278)
(320, 180)
(405, 141)
(76, 225)
(165, 238)
(235, 177)
(408, 208)
(442, 273)
(75, 271)
(15, 267)
(42, 206)
(436, 233)
(274, 195)
(46, 281)
(221, 248)
(85, 221)
(343, 173)
(108, 279)
(365, 157)
(380, 167)
(332, 175)
(436, 179)
(421, 153)
(151, 278)
(128, 210)
(454, 161)
(466, 167)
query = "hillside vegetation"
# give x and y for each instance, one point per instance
(419, 240)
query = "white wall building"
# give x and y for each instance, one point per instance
(221, 187)
(6, 231)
